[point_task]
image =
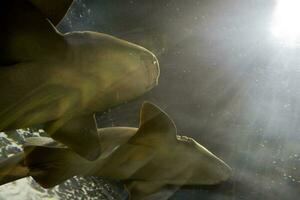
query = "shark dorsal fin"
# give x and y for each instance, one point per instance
(155, 126)
(53, 10)
(27, 35)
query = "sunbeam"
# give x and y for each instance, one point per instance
(285, 26)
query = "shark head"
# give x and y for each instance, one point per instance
(199, 165)
(175, 160)
(115, 65)
(76, 73)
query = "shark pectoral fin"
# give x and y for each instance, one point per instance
(49, 162)
(139, 190)
(78, 133)
(13, 168)
(155, 126)
(26, 35)
(54, 10)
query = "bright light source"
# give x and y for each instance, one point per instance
(286, 21)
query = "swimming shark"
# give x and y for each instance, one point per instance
(60, 80)
(145, 158)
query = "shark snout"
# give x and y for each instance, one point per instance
(209, 169)
(152, 68)
(218, 171)
(224, 171)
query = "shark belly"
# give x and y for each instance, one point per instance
(29, 97)
(39, 92)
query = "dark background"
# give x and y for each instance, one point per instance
(226, 80)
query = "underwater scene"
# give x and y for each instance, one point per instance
(150, 100)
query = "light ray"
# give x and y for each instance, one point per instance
(285, 24)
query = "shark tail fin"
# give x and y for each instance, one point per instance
(49, 162)
(13, 168)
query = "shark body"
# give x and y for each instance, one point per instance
(61, 80)
(145, 158)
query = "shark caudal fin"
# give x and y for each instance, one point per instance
(49, 163)
(155, 126)
(13, 168)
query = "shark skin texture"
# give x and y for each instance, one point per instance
(60, 80)
(145, 158)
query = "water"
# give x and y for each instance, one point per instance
(225, 80)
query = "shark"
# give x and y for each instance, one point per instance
(146, 158)
(59, 80)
